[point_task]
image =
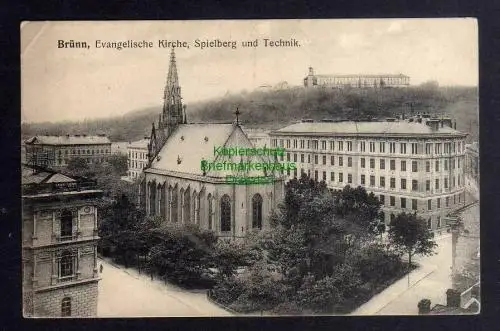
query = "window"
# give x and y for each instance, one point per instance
(332, 176)
(323, 144)
(257, 211)
(332, 145)
(341, 177)
(403, 202)
(392, 148)
(439, 203)
(427, 166)
(302, 158)
(437, 165)
(393, 182)
(427, 185)
(403, 165)
(414, 166)
(437, 149)
(392, 201)
(414, 147)
(294, 173)
(66, 264)
(341, 145)
(349, 178)
(315, 159)
(428, 148)
(458, 163)
(372, 180)
(363, 179)
(349, 146)
(66, 224)
(382, 199)
(225, 213)
(447, 201)
(302, 144)
(362, 146)
(382, 147)
(349, 161)
(382, 181)
(315, 144)
(445, 164)
(362, 162)
(288, 157)
(402, 148)
(332, 160)
(295, 143)
(429, 204)
(315, 175)
(414, 204)
(66, 307)
(324, 159)
(372, 163)
(438, 222)
(446, 183)
(393, 164)
(372, 147)
(382, 164)
(324, 176)
(437, 184)
(403, 183)
(341, 161)
(288, 143)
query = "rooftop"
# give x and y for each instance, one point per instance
(69, 140)
(362, 75)
(396, 128)
(140, 144)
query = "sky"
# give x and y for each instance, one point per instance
(61, 84)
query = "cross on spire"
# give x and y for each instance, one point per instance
(237, 113)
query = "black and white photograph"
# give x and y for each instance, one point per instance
(250, 168)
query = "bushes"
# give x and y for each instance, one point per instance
(375, 264)
(228, 290)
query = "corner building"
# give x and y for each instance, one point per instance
(59, 245)
(411, 166)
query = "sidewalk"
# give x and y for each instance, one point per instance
(429, 280)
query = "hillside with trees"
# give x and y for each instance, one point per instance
(276, 108)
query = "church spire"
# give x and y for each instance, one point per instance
(173, 112)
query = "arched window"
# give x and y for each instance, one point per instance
(66, 264)
(66, 224)
(225, 213)
(152, 198)
(210, 211)
(196, 208)
(257, 211)
(159, 200)
(187, 206)
(175, 204)
(66, 306)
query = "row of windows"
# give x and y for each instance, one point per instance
(89, 160)
(405, 202)
(137, 164)
(137, 155)
(168, 207)
(373, 147)
(448, 164)
(85, 151)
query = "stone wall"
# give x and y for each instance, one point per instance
(83, 301)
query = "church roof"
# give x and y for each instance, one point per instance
(188, 143)
(30, 175)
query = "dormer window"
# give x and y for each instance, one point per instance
(179, 160)
(206, 139)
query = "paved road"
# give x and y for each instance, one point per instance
(125, 293)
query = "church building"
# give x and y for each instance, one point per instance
(175, 186)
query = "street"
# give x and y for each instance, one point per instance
(125, 293)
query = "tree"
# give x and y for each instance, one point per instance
(410, 234)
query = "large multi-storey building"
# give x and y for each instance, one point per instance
(413, 166)
(56, 151)
(358, 81)
(137, 157)
(472, 161)
(258, 137)
(59, 245)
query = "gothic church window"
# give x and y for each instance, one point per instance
(225, 213)
(257, 211)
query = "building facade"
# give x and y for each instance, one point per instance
(356, 81)
(59, 245)
(56, 151)
(137, 153)
(472, 161)
(176, 188)
(410, 166)
(258, 137)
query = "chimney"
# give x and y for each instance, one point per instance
(452, 298)
(433, 123)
